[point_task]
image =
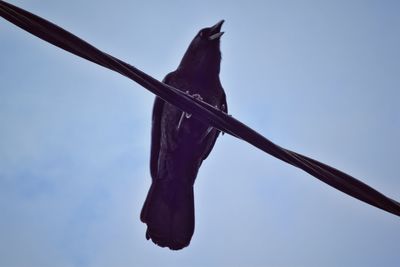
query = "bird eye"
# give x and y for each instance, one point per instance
(202, 33)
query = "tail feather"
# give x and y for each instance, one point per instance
(169, 213)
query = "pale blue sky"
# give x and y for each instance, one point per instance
(318, 77)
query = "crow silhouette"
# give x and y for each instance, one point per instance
(180, 143)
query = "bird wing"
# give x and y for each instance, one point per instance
(224, 107)
(158, 107)
(155, 135)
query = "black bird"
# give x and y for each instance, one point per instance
(180, 143)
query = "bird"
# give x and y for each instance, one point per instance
(180, 143)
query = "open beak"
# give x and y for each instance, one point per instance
(215, 31)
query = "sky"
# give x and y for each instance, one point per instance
(321, 78)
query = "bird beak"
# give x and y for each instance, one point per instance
(215, 31)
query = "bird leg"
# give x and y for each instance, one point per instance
(180, 121)
(185, 114)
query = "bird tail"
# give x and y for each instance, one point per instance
(169, 213)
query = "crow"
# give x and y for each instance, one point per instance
(180, 143)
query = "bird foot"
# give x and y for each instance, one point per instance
(185, 114)
(196, 96)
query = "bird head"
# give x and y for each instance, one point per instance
(203, 53)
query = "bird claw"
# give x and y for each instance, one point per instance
(197, 96)
(185, 114)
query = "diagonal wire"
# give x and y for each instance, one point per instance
(201, 110)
